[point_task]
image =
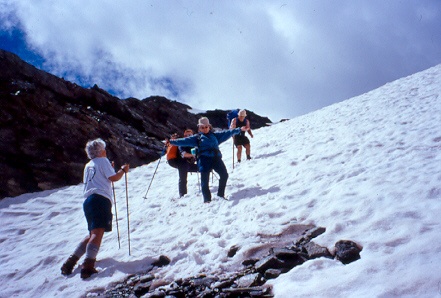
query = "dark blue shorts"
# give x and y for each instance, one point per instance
(240, 140)
(98, 212)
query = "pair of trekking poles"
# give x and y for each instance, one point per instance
(116, 213)
(127, 206)
(127, 202)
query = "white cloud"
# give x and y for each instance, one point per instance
(277, 59)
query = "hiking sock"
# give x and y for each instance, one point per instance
(80, 250)
(88, 267)
(91, 251)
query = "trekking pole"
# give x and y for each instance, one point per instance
(116, 215)
(127, 203)
(154, 173)
(199, 184)
(233, 153)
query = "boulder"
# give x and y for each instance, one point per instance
(161, 261)
(309, 235)
(289, 257)
(272, 273)
(314, 251)
(233, 250)
(249, 280)
(142, 288)
(269, 262)
(347, 251)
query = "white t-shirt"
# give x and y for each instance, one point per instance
(96, 177)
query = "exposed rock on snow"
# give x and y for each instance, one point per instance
(247, 282)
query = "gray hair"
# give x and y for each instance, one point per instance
(95, 147)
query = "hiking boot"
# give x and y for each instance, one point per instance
(248, 157)
(238, 160)
(69, 265)
(88, 268)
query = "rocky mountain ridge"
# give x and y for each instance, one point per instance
(45, 122)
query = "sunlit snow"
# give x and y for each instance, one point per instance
(368, 169)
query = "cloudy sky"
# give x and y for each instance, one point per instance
(280, 59)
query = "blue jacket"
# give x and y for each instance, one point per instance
(208, 144)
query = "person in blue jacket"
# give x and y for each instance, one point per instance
(209, 156)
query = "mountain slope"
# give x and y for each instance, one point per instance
(46, 121)
(368, 169)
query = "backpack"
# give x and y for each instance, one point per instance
(172, 152)
(231, 115)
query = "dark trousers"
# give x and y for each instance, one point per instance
(219, 167)
(183, 170)
(183, 167)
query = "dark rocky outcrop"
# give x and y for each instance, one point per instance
(46, 121)
(249, 281)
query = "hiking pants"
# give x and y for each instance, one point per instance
(219, 167)
(183, 168)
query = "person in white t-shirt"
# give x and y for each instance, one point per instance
(97, 178)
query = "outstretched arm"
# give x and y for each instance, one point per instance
(185, 142)
(226, 134)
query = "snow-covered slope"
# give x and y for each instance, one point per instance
(368, 169)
